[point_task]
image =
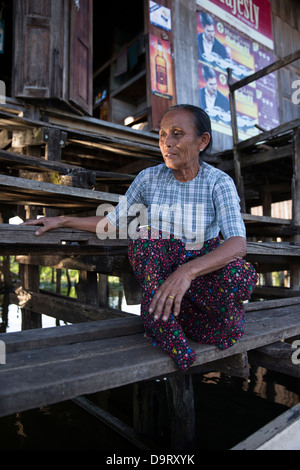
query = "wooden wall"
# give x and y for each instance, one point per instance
(286, 31)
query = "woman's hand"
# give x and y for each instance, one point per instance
(170, 293)
(88, 224)
(47, 223)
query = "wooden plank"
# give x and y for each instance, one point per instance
(270, 304)
(62, 308)
(106, 136)
(68, 334)
(83, 124)
(273, 249)
(273, 133)
(271, 155)
(20, 239)
(12, 234)
(111, 421)
(276, 357)
(282, 433)
(21, 161)
(24, 234)
(13, 160)
(263, 219)
(86, 127)
(37, 188)
(105, 263)
(35, 375)
(273, 292)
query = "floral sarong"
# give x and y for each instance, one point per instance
(212, 310)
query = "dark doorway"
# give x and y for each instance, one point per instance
(119, 62)
(6, 33)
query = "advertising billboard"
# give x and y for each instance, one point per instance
(222, 46)
(252, 17)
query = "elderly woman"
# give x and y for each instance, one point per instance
(190, 289)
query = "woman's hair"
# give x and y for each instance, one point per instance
(201, 121)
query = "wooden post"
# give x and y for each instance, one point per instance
(7, 280)
(295, 269)
(235, 138)
(180, 395)
(267, 210)
(87, 288)
(103, 290)
(143, 409)
(55, 139)
(30, 279)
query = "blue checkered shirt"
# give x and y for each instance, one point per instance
(208, 204)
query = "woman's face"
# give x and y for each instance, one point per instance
(178, 141)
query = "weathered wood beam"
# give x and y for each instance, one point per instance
(13, 234)
(13, 160)
(259, 158)
(39, 136)
(277, 357)
(270, 304)
(275, 292)
(273, 249)
(284, 231)
(93, 131)
(282, 433)
(236, 366)
(20, 239)
(62, 308)
(25, 235)
(102, 262)
(264, 219)
(265, 136)
(295, 268)
(109, 420)
(239, 181)
(41, 193)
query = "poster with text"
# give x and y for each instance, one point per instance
(160, 16)
(252, 17)
(220, 46)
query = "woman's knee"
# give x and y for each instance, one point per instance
(239, 277)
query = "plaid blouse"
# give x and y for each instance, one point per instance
(194, 211)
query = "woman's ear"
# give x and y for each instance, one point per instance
(205, 139)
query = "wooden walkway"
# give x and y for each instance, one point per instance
(56, 364)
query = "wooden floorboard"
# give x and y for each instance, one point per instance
(55, 364)
(38, 192)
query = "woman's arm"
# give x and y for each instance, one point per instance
(179, 282)
(88, 224)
